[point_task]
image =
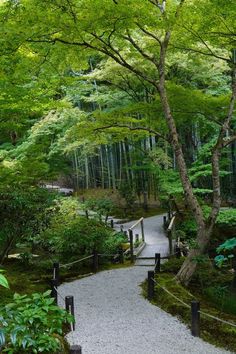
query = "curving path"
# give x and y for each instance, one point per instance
(112, 317)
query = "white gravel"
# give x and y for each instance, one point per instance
(113, 318)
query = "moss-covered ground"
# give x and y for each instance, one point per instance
(215, 332)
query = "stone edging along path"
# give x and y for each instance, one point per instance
(112, 317)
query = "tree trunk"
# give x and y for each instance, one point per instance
(189, 266)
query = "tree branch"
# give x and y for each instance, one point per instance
(148, 33)
(140, 50)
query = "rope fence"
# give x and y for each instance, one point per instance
(194, 307)
(77, 261)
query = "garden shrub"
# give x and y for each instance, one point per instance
(70, 235)
(32, 324)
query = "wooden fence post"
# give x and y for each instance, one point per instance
(195, 318)
(69, 304)
(142, 231)
(112, 223)
(131, 241)
(164, 222)
(121, 255)
(169, 235)
(95, 261)
(75, 349)
(53, 283)
(56, 272)
(157, 263)
(151, 284)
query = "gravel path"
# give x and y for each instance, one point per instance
(155, 237)
(112, 317)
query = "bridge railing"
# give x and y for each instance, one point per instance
(131, 237)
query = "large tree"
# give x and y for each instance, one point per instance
(140, 36)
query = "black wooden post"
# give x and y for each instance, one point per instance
(169, 214)
(169, 235)
(53, 283)
(56, 272)
(121, 254)
(112, 223)
(164, 222)
(195, 318)
(151, 284)
(69, 304)
(95, 261)
(75, 349)
(157, 263)
(142, 231)
(131, 241)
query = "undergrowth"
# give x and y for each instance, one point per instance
(212, 331)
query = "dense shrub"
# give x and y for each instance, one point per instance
(71, 235)
(32, 325)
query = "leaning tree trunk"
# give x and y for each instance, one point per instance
(189, 266)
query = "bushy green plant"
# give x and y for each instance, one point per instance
(32, 324)
(23, 213)
(3, 280)
(79, 237)
(227, 250)
(102, 206)
(187, 229)
(127, 192)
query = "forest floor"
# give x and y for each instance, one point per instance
(112, 316)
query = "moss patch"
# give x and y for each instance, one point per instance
(217, 333)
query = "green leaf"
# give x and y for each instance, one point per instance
(3, 281)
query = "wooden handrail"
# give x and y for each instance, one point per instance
(171, 223)
(135, 224)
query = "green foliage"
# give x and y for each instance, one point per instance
(127, 192)
(24, 213)
(3, 280)
(32, 324)
(70, 235)
(228, 249)
(101, 206)
(173, 265)
(222, 297)
(188, 227)
(227, 218)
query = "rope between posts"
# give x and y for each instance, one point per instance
(188, 306)
(175, 297)
(79, 260)
(217, 318)
(59, 294)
